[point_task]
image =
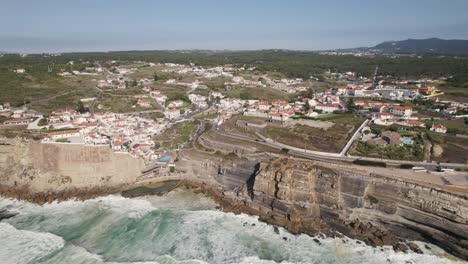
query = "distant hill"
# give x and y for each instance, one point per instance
(419, 46)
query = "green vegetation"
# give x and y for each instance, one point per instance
(456, 126)
(206, 116)
(290, 63)
(340, 118)
(406, 166)
(405, 152)
(255, 93)
(124, 104)
(405, 133)
(332, 139)
(177, 134)
(370, 163)
(42, 122)
(40, 82)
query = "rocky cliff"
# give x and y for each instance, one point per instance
(29, 168)
(308, 197)
(301, 195)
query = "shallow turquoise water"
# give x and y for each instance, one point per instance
(179, 227)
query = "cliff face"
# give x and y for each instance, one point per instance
(303, 196)
(37, 167)
(307, 197)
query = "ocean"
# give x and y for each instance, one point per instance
(178, 227)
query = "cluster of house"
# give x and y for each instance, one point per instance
(198, 100)
(192, 84)
(220, 71)
(325, 102)
(121, 82)
(346, 77)
(123, 133)
(284, 84)
(277, 110)
(239, 80)
(17, 116)
(449, 107)
(386, 114)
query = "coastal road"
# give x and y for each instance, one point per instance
(337, 157)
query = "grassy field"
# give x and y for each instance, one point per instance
(149, 72)
(458, 94)
(255, 93)
(174, 92)
(46, 92)
(344, 119)
(301, 136)
(455, 149)
(456, 126)
(124, 104)
(206, 116)
(176, 135)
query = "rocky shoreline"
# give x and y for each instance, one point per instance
(301, 195)
(369, 234)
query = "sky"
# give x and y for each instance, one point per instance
(105, 25)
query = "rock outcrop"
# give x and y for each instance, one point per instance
(30, 167)
(309, 197)
(300, 195)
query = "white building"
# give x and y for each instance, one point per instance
(172, 113)
(400, 110)
(329, 108)
(439, 129)
(64, 134)
(144, 102)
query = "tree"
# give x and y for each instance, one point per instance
(80, 108)
(42, 122)
(307, 106)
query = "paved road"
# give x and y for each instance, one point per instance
(457, 179)
(327, 156)
(353, 138)
(34, 125)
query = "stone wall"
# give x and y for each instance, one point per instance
(42, 167)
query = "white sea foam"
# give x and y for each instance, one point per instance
(178, 228)
(21, 246)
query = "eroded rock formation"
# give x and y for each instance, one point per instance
(309, 197)
(301, 195)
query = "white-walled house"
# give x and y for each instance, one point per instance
(64, 134)
(172, 113)
(329, 108)
(439, 129)
(400, 110)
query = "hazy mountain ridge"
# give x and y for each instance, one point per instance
(431, 45)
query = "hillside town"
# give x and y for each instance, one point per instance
(407, 104)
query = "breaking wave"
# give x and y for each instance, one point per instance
(179, 227)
